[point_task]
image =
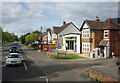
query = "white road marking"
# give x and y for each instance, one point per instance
(25, 66)
(44, 77)
(27, 56)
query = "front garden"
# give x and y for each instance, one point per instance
(67, 56)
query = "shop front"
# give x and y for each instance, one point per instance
(71, 42)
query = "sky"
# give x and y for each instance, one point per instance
(23, 17)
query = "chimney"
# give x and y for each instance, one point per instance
(64, 22)
(97, 18)
(48, 30)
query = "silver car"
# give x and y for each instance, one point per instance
(13, 59)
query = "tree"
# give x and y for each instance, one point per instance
(6, 36)
(37, 32)
(28, 39)
(22, 39)
(31, 38)
(0, 33)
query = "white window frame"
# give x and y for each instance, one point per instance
(105, 33)
(85, 47)
(86, 33)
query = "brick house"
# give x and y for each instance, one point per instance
(100, 38)
(45, 37)
(56, 32)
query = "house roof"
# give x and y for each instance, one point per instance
(107, 24)
(40, 34)
(56, 29)
(59, 29)
(110, 24)
(103, 42)
(64, 26)
(117, 20)
(94, 24)
(45, 33)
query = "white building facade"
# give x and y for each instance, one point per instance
(71, 42)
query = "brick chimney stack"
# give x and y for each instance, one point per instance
(97, 18)
(64, 22)
(48, 30)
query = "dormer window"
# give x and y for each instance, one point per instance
(106, 34)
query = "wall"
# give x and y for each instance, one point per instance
(114, 42)
(55, 38)
(69, 29)
(101, 77)
(97, 38)
(49, 37)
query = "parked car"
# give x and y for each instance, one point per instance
(13, 59)
(13, 49)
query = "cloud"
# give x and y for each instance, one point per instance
(78, 12)
(25, 17)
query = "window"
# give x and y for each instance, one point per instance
(86, 47)
(85, 34)
(106, 34)
(54, 35)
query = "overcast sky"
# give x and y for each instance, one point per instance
(24, 17)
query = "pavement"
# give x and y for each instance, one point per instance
(111, 69)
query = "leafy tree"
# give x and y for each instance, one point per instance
(22, 39)
(0, 33)
(31, 38)
(28, 39)
(37, 32)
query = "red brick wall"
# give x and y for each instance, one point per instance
(102, 77)
(87, 40)
(86, 53)
(97, 38)
(114, 42)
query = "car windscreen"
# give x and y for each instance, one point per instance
(13, 56)
(13, 48)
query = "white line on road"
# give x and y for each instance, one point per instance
(27, 56)
(25, 66)
(44, 77)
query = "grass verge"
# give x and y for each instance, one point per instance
(4, 43)
(68, 56)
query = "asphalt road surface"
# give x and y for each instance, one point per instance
(37, 67)
(28, 71)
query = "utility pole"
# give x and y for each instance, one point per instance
(41, 29)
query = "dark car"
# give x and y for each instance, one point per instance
(15, 44)
(13, 49)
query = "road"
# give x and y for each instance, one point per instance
(39, 67)
(28, 71)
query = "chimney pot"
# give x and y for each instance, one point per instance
(64, 22)
(97, 18)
